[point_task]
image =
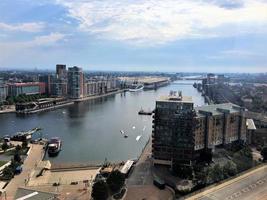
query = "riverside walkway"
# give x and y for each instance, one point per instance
(36, 153)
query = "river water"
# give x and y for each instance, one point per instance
(90, 130)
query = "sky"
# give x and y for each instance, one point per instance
(135, 35)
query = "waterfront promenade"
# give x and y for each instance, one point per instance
(140, 182)
(35, 155)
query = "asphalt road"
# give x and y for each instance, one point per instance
(252, 185)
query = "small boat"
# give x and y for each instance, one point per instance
(125, 136)
(143, 112)
(136, 87)
(138, 137)
(54, 146)
(133, 127)
(122, 132)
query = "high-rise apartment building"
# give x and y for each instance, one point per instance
(181, 132)
(3, 91)
(47, 80)
(75, 82)
(61, 71)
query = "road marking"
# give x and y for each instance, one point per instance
(247, 189)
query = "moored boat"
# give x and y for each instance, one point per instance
(136, 87)
(54, 146)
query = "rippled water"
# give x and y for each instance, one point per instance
(90, 130)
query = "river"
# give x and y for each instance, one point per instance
(90, 130)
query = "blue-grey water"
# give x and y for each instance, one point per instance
(90, 130)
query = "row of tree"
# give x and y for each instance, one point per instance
(23, 98)
(113, 184)
(16, 161)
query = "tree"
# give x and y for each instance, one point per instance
(100, 191)
(230, 169)
(8, 173)
(5, 146)
(115, 180)
(18, 148)
(264, 153)
(183, 171)
(24, 144)
(215, 174)
(17, 158)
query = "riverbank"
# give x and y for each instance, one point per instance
(47, 109)
(100, 96)
(8, 109)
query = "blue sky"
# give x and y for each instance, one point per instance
(135, 35)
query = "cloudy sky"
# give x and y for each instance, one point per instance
(140, 35)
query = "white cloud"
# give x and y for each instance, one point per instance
(44, 40)
(10, 50)
(240, 53)
(23, 27)
(47, 39)
(157, 21)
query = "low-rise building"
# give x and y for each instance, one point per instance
(15, 89)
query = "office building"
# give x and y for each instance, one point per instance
(181, 132)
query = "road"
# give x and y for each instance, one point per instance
(252, 185)
(35, 155)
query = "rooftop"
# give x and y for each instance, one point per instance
(175, 97)
(217, 109)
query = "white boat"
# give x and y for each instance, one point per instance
(138, 137)
(122, 132)
(54, 146)
(136, 87)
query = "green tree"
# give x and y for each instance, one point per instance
(5, 146)
(183, 171)
(100, 190)
(264, 153)
(215, 174)
(24, 144)
(8, 173)
(230, 169)
(18, 148)
(115, 180)
(17, 157)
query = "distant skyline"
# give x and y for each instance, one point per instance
(221, 36)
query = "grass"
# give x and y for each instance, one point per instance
(3, 162)
(12, 152)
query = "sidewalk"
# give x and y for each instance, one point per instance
(225, 184)
(35, 155)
